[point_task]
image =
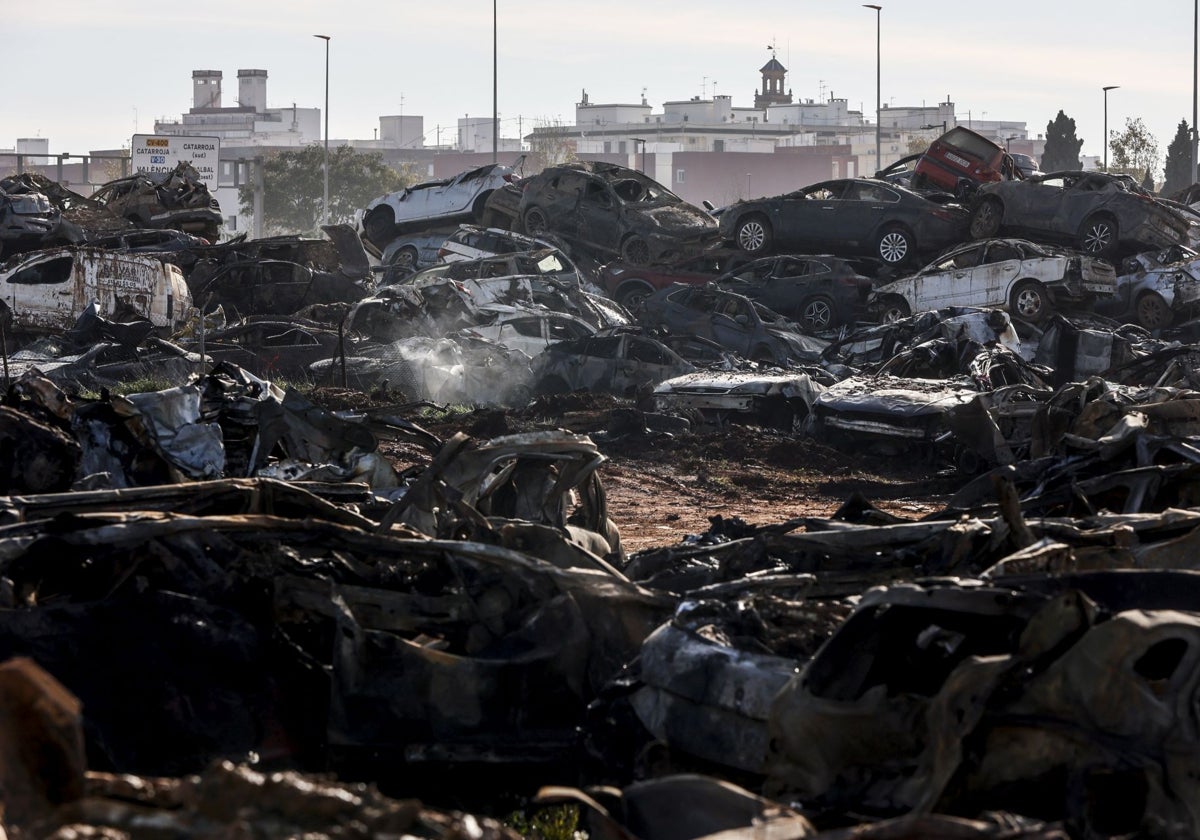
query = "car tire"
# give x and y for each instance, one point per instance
(819, 313)
(380, 226)
(894, 245)
(405, 258)
(1029, 301)
(895, 308)
(753, 234)
(1152, 311)
(1099, 235)
(635, 251)
(535, 221)
(633, 295)
(985, 221)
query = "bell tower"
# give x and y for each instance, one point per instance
(772, 92)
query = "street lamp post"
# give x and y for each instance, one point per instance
(325, 157)
(1195, 71)
(878, 98)
(495, 100)
(1106, 89)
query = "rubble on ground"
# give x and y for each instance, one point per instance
(284, 549)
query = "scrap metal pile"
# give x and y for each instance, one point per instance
(227, 609)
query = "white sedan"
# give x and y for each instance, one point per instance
(1027, 278)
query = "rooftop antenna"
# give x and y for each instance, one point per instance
(821, 82)
(401, 103)
(771, 46)
(644, 95)
(704, 88)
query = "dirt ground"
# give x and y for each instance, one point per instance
(662, 488)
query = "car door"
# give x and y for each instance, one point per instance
(731, 323)
(863, 209)
(808, 217)
(1040, 205)
(598, 215)
(947, 282)
(645, 362)
(787, 286)
(996, 273)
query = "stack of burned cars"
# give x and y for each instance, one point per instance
(607, 211)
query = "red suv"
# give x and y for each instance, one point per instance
(960, 161)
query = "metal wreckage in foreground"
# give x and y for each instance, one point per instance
(229, 610)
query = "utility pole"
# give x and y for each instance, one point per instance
(878, 76)
(325, 162)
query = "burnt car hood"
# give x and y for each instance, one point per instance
(675, 219)
(895, 396)
(726, 382)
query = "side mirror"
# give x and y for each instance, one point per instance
(742, 320)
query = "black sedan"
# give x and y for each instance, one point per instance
(855, 216)
(820, 292)
(1097, 212)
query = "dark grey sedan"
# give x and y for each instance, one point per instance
(849, 217)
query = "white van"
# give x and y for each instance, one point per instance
(48, 290)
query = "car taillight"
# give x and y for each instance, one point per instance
(443, 252)
(508, 178)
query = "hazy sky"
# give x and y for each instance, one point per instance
(86, 73)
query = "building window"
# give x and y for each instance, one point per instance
(680, 176)
(621, 147)
(607, 146)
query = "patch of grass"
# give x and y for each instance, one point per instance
(557, 822)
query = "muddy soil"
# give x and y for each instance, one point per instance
(661, 487)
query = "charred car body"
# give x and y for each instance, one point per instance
(48, 290)
(177, 199)
(424, 205)
(820, 292)
(1097, 212)
(731, 320)
(614, 211)
(856, 216)
(1156, 288)
(613, 361)
(1029, 279)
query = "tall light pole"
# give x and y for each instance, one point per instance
(1107, 88)
(1195, 71)
(325, 159)
(495, 100)
(878, 124)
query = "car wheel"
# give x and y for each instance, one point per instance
(894, 246)
(634, 250)
(985, 221)
(380, 226)
(535, 221)
(1152, 311)
(1099, 236)
(753, 235)
(632, 297)
(1028, 301)
(405, 258)
(895, 308)
(818, 314)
